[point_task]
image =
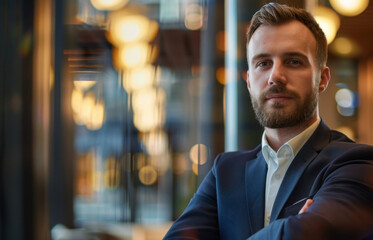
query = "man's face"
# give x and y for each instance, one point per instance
(283, 76)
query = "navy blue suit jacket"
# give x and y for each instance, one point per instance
(331, 169)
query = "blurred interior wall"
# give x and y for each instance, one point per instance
(365, 120)
(16, 158)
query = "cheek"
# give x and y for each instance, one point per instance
(305, 82)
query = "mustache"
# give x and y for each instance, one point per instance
(276, 90)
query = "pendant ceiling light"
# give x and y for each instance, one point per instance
(349, 7)
(328, 20)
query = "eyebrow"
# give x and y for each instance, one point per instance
(295, 54)
(286, 54)
(259, 56)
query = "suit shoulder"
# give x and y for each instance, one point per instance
(349, 150)
(237, 156)
(339, 137)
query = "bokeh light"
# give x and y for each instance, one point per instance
(134, 55)
(77, 97)
(160, 163)
(127, 28)
(97, 116)
(221, 75)
(156, 142)
(149, 119)
(180, 163)
(344, 98)
(199, 154)
(148, 175)
(141, 78)
(109, 4)
(345, 47)
(193, 17)
(349, 7)
(328, 20)
(195, 168)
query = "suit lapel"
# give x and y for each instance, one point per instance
(309, 151)
(255, 179)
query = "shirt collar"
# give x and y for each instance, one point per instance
(295, 144)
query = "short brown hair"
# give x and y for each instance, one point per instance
(276, 14)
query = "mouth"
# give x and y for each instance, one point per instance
(277, 98)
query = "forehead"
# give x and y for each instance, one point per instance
(291, 36)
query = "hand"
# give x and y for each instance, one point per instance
(306, 206)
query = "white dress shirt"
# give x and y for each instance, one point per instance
(278, 163)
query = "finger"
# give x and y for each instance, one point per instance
(306, 206)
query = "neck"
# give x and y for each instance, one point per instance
(276, 137)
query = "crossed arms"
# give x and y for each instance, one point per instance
(341, 206)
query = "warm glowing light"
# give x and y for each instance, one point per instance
(221, 75)
(345, 47)
(160, 163)
(328, 20)
(349, 7)
(193, 17)
(109, 4)
(141, 78)
(148, 106)
(148, 119)
(84, 84)
(148, 175)
(131, 28)
(134, 55)
(344, 98)
(148, 98)
(198, 154)
(180, 164)
(97, 116)
(221, 40)
(86, 110)
(156, 143)
(77, 97)
(195, 168)
(83, 116)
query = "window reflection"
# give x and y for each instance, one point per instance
(136, 89)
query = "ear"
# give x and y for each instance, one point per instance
(247, 80)
(324, 79)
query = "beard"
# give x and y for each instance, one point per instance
(277, 116)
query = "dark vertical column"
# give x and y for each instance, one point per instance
(26, 49)
(16, 196)
(210, 120)
(250, 132)
(61, 162)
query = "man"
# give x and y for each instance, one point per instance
(304, 181)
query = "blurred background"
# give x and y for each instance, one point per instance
(112, 111)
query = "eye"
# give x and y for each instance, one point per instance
(263, 64)
(294, 62)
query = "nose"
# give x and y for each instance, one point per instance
(277, 75)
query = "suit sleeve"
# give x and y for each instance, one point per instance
(342, 208)
(200, 218)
